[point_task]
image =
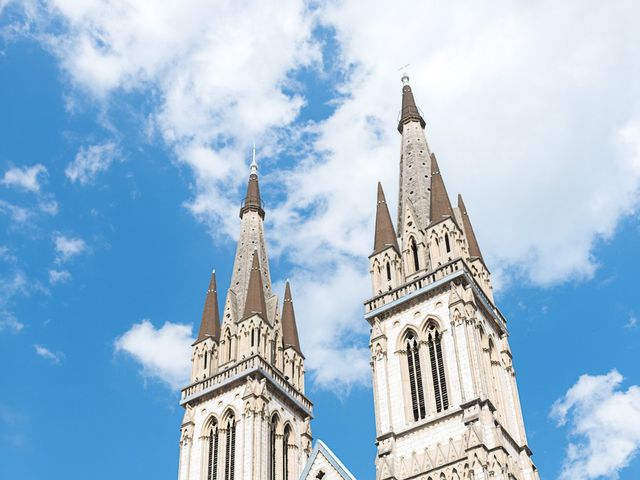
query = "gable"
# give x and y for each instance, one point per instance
(324, 464)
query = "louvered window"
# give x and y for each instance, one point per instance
(415, 379)
(285, 453)
(212, 457)
(437, 370)
(230, 453)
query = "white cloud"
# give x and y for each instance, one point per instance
(47, 354)
(163, 353)
(68, 247)
(16, 213)
(90, 161)
(632, 322)
(24, 178)
(10, 286)
(49, 207)
(604, 426)
(59, 276)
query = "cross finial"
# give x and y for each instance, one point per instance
(405, 75)
(254, 165)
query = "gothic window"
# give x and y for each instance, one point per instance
(415, 378)
(205, 360)
(253, 337)
(285, 453)
(227, 342)
(447, 244)
(437, 369)
(388, 271)
(273, 351)
(272, 448)
(414, 255)
(212, 452)
(230, 450)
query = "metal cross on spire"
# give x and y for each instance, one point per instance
(254, 165)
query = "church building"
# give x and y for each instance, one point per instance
(445, 393)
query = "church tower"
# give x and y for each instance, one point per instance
(246, 415)
(445, 393)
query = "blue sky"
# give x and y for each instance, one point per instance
(125, 137)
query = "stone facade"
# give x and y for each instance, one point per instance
(445, 393)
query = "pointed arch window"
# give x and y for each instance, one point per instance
(230, 450)
(212, 452)
(206, 354)
(437, 369)
(447, 243)
(415, 378)
(227, 341)
(389, 271)
(414, 254)
(272, 447)
(285, 452)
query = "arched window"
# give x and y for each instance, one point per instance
(388, 271)
(227, 341)
(273, 351)
(415, 378)
(212, 452)
(414, 254)
(437, 369)
(447, 244)
(272, 448)
(230, 451)
(205, 359)
(285, 453)
(253, 337)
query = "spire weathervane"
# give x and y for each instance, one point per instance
(405, 75)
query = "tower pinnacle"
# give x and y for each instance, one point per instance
(255, 303)
(385, 235)
(440, 204)
(289, 327)
(210, 324)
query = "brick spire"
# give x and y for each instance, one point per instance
(255, 302)
(474, 248)
(409, 111)
(385, 234)
(289, 327)
(210, 324)
(440, 204)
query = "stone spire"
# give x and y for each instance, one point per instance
(440, 204)
(385, 234)
(474, 248)
(415, 166)
(255, 302)
(289, 327)
(250, 240)
(210, 324)
(252, 200)
(409, 111)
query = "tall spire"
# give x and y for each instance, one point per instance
(255, 302)
(289, 327)
(252, 200)
(409, 111)
(210, 324)
(440, 204)
(474, 248)
(385, 234)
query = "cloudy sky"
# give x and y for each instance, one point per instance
(125, 133)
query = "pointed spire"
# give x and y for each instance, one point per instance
(385, 234)
(409, 111)
(440, 204)
(255, 302)
(289, 327)
(210, 324)
(252, 200)
(474, 248)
